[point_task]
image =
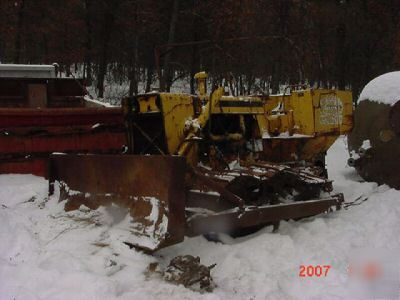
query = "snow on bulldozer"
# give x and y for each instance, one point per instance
(197, 164)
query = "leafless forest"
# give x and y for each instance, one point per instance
(256, 44)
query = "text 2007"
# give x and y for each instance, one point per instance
(314, 271)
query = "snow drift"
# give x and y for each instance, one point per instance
(46, 253)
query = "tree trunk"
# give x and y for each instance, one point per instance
(88, 43)
(341, 57)
(133, 80)
(194, 60)
(108, 24)
(193, 69)
(149, 78)
(166, 80)
(20, 24)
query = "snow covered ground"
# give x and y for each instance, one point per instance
(48, 254)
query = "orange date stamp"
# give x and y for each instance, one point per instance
(314, 270)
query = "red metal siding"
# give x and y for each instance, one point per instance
(28, 136)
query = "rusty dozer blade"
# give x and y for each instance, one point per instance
(150, 189)
(234, 220)
(165, 199)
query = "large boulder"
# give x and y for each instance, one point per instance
(374, 143)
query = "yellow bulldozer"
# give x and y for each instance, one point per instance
(197, 164)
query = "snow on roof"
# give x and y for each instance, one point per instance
(27, 71)
(384, 89)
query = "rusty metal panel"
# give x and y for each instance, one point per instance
(61, 140)
(281, 150)
(27, 134)
(14, 117)
(36, 166)
(225, 221)
(37, 95)
(144, 185)
(297, 148)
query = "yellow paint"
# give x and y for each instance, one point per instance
(311, 112)
(148, 104)
(315, 118)
(316, 145)
(201, 78)
(176, 109)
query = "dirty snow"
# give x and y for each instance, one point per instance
(384, 89)
(48, 254)
(366, 144)
(192, 123)
(285, 135)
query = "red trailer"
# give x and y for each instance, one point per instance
(41, 114)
